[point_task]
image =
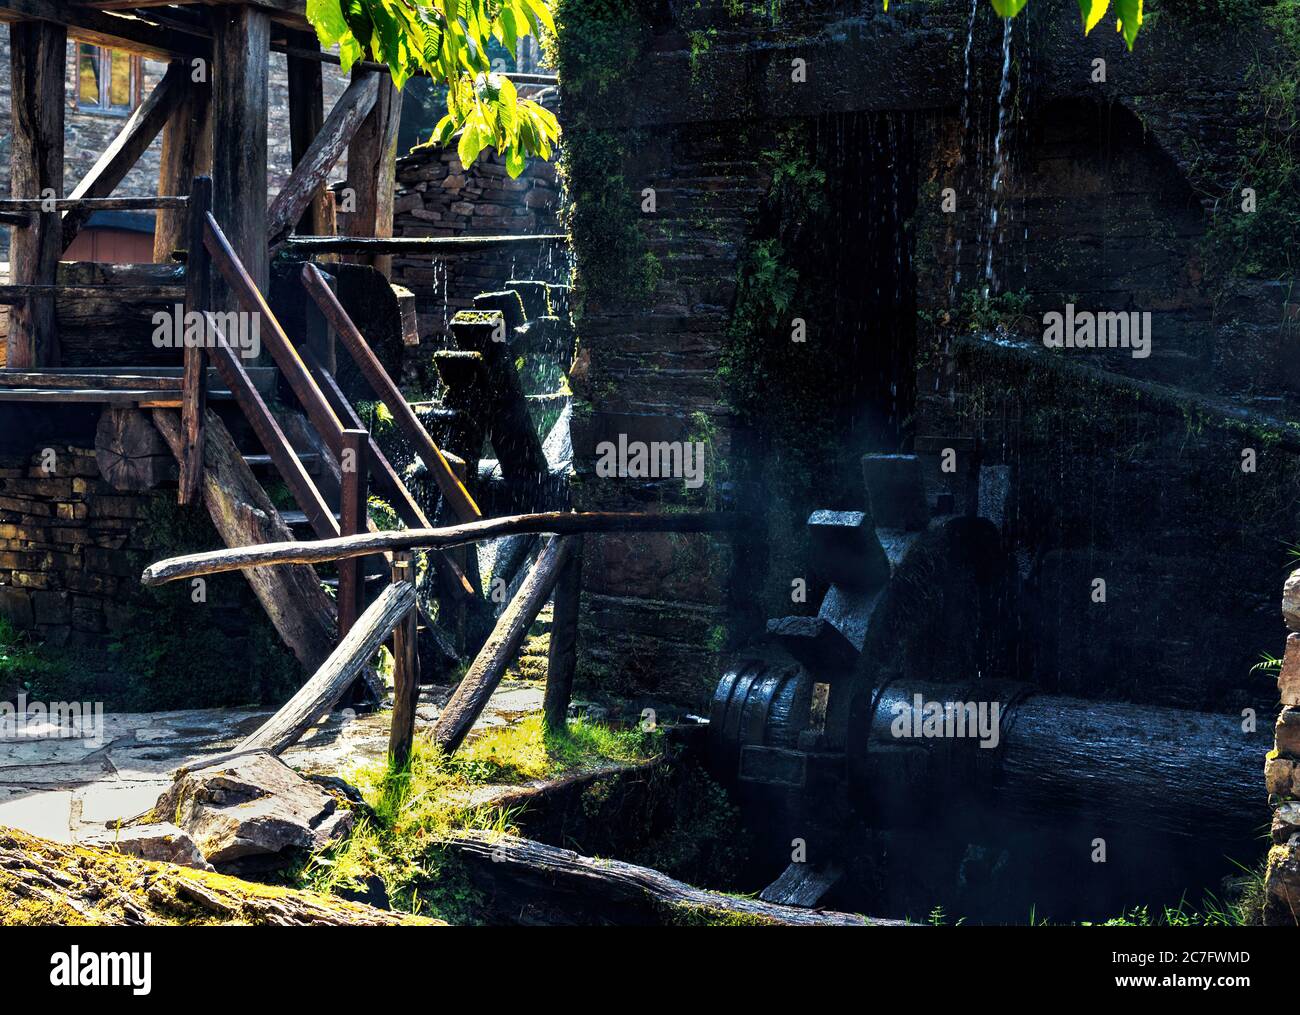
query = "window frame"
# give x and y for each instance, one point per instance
(104, 62)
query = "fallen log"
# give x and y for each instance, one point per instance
(130, 452)
(502, 645)
(556, 522)
(536, 882)
(45, 883)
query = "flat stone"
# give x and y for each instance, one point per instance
(1291, 601)
(162, 841)
(103, 802)
(1287, 731)
(1288, 680)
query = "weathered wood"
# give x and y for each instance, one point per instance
(503, 643)
(335, 675)
(273, 440)
(293, 599)
(125, 150)
(411, 246)
(130, 452)
(387, 392)
(61, 379)
(372, 164)
(311, 172)
(562, 653)
(37, 59)
(198, 296)
(406, 670)
(65, 204)
(186, 154)
(241, 39)
(116, 32)
(352, 520)
(21, 293)
(56, 883)
(801, 884)
(306, 116)
(108, 396)
(528, 874)
(557, 522)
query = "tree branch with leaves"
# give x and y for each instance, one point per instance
(447, 41)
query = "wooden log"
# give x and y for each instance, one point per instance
(186, 154)
(387, 392)
(372, 164)
(352, 520)
(126, 148)
(335, 675)
(242, 514)
(524, 874)
(306, 116)
(556, 522)
(65, 204)
(37, 59)
(273, 440)
(503, 643)
(240, 47)
(108, 396)
(562, 653)
(415, 246)
(115, 32)
(62, 379)
(406, 670)
(21, 293)
(130, 452)
(198, 297)
(310, 173)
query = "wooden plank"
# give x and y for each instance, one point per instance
(61, 379)
(306, 116)
(106, 396)
(311, 172)
(557, 522)
(481, 679)
(37, 204)
(377, 377)
(126, 148)
(372, 164)
(102, 29)
(562, 653)
(335, 675)
(37, 59)
(300, 609)
(186, 154)
(352, 520)
(414, 246)
(198, 298)
(20, 293)
(272, 438)
(240, 52)
(286, 356)
(406, 670)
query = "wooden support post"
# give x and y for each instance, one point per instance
(499, 650)
(306, 114)
(562, 657)
(352, 510)
(372, 163)
(241, 41)
(37, 59)
(186, 153)
(194, 387)
(406, 670)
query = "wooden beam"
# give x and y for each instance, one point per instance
(198, 297)
(310, 173)
(37, 59)
(476, 687)
(372, 165)
(557, 522)
(86, 24)
(384, 388)
(125, 150)
(240, 49)
(562, 652)
(186, 154)
(293, 599)
(63, 204)
(352, 520)
(64, 379)
(306, 117)
(415, 246)
(406, 671)
(32, 291)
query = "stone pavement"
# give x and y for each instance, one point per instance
(68, 790)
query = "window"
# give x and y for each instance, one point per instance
(107, 79)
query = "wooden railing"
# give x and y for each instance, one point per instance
(557, 570)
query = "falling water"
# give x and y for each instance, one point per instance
(965, 121)
(999, 153)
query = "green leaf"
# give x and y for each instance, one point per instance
(515, 162)
(327, 18)
(1009, 8)
(1092, 11)
(473, 140)
(1130, 19)
(543, 13)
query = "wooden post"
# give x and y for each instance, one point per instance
(372, 163)
(306, 114)
(352, 461)
(562, 657)
(194, 387)
(406, 670)
(37, 58)
(241, 38)
(186, 153)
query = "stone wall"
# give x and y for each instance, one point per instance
(1282, 775)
